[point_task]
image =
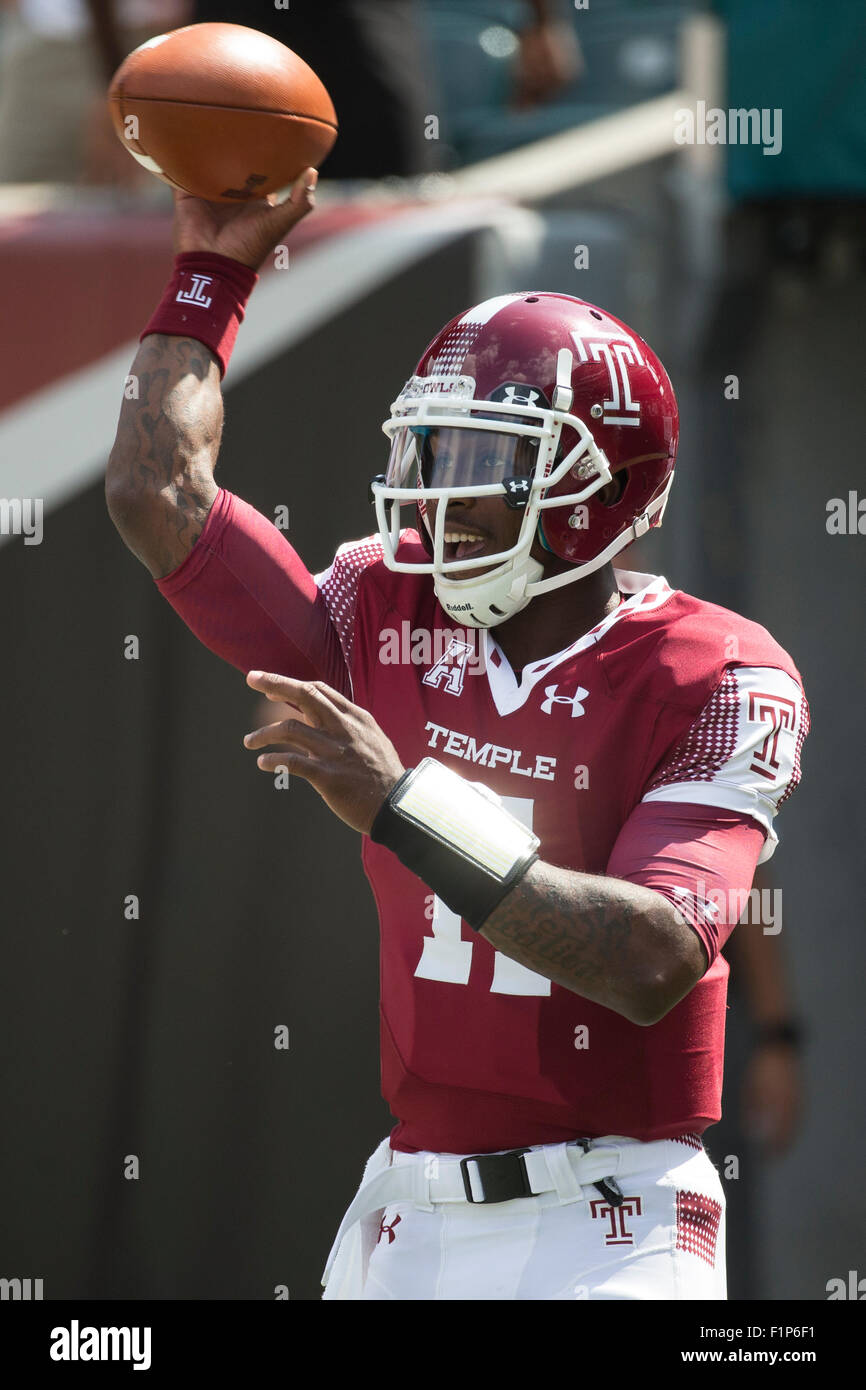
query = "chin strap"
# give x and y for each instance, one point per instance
(470, 604)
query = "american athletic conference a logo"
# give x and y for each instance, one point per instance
(575, 700)
(196, 295)
(450, 670)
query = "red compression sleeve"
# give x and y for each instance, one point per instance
(205, 299)
(701, 858)
(248, 596)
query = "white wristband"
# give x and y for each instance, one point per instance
(456, 837)
(466, 817)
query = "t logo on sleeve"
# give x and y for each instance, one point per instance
(779, 713)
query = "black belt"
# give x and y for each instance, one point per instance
(504, 1177)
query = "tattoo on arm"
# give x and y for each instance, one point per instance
(603, 938)
(160, 484)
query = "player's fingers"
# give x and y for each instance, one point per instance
(296, 764)
(281, 762)
(291, 732)
(275, 687)
(269, 683)
(305, 183)
(315, 699)
(299, 202)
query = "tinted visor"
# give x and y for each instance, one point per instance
(457, 456)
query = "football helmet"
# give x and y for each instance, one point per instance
(541, 399)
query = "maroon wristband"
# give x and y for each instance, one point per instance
(205, 299)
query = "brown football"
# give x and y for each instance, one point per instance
(221, 111)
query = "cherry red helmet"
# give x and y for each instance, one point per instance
(543, 399)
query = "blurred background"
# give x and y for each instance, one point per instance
(165, 910)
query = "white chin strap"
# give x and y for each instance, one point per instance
(491, 598)
(494, 597)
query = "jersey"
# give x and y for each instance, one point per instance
(668, 699)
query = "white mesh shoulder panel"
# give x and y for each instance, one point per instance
(339, 584)
(743, 751)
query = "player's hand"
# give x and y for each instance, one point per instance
(246, 232)
(333, 744)
(772, 1097)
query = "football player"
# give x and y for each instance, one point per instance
(564, 774)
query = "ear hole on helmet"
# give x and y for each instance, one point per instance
(612, 492)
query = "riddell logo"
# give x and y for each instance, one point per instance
(459, 607)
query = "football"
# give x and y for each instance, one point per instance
(221, 111)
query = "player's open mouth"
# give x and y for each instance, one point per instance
(462, 545)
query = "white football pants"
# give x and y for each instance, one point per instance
(665, 1241)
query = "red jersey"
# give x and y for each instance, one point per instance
(668, 699)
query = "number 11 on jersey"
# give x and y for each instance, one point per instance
(447, 957)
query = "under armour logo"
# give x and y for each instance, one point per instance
(196, 295)
(689, 903)
(389, 1229)
(573, 700)
(516, 396)
(516, 491)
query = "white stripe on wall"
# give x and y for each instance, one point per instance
(56, 441)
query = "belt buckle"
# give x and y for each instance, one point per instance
(608, 1187)
(503, 1177)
